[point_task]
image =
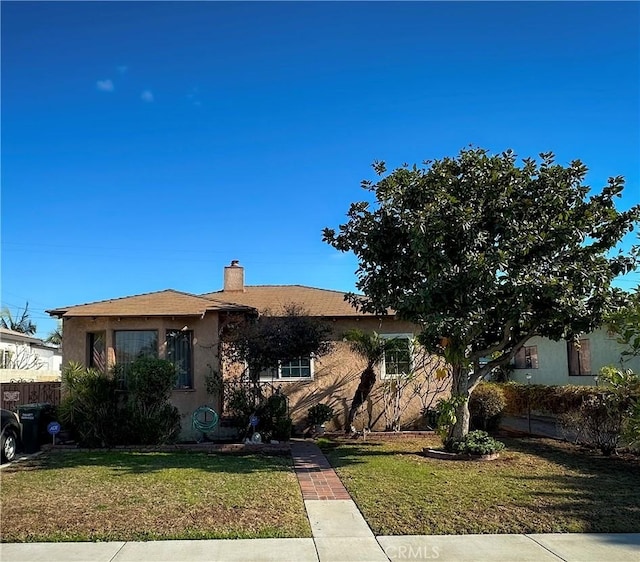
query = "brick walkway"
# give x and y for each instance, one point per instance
(318, 481)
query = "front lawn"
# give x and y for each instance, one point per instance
(89, 496)
(537, 486)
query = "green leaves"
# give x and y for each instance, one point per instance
(486, 253)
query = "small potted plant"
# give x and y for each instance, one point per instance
(318, 415)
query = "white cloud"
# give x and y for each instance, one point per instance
(122, 69)
(147, 96)
(105, 85)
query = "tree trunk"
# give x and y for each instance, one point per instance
(367, 380)
(460, 387)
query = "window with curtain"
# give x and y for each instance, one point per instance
(131, 344)
(526, 357)
(179, 352)
(97, 351)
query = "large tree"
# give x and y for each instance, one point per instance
(483, 254)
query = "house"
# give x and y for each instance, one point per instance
(558, 363)
(24, 357)
(186, 328)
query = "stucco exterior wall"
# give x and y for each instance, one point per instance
(336, 378)
(336, 375)
(205, 347)
(553, 361)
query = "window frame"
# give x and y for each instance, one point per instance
(412, 356)
(91, 363)
(6, 357)
(169, 332)
(577, 352)
(534, 364)
(122, 376)
(276, 374)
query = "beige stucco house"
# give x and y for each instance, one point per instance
(186, 329)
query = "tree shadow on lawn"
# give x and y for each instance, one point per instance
(130, 462)
(573, 457)
(599, 505)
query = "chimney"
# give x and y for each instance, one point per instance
(234, 277)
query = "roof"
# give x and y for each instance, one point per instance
(13, 336)
(275, 298)
(161, 303)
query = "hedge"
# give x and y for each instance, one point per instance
(554, 400)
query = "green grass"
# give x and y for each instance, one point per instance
(99, 496)
(537, 486)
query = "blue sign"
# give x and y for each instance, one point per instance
(53, 428)
(254, 420)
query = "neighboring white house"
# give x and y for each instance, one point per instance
(24, 357)
(558, 363)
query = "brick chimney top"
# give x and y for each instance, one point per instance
(234, 277)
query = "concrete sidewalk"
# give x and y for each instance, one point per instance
(445, 548)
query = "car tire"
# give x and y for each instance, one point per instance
(9, 447)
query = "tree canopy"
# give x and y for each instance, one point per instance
(264, 342)
(484, 254)
(625, 324)
(19, 323)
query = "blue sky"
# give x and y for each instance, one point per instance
(145, 145)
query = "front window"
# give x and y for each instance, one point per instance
(297, 369)
(526, 357)
(132, 344)
(6, 357)
(398, 356)
(97, 351)
(179, 352)
(579, 358)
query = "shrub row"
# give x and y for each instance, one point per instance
(554, 400)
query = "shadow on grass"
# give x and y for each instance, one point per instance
(566, 489)
(130, 462)
(572, 456)
(601, 506)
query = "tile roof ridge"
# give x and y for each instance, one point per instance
(295, 285)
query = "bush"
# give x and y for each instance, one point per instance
(476, 443)
(609, 415)
(274, 421)
(150, 419)
(90, 407)
(486, 405)
(319, 414)
(98, 414)
(282, 429)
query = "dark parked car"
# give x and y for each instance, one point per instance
(11, 435)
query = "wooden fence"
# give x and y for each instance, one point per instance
(14, 394)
